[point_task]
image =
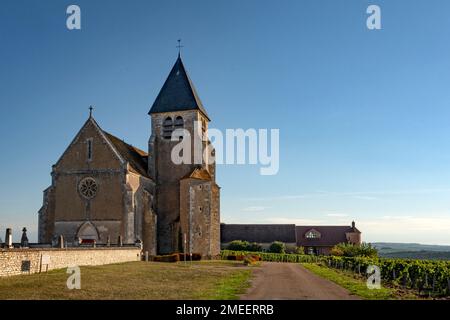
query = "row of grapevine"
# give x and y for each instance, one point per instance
(272, 257)
(430, 276)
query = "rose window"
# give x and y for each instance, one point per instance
(88, 188)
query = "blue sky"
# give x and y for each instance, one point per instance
(363, 115)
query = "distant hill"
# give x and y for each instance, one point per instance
(412, 251)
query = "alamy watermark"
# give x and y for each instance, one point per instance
(73, 21)
(74, 280)
(235, 146)
(374, 20)
(374, 279)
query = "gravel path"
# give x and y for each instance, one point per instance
(290, 281)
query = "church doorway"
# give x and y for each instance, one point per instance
(87, 233)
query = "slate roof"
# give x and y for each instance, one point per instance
(134, 156)
(178, 93)
(330, 235)
(260, 233)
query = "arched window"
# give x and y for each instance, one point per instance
(179, 122)
(167, 128)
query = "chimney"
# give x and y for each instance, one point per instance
(353, 224)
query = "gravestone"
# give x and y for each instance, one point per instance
(8, 239)
(61, 242)
(45, 261)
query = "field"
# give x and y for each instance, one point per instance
(412, 251)
(135, 280)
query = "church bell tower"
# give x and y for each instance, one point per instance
(181, 221)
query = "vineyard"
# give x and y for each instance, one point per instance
(426, 276)
(270, 257)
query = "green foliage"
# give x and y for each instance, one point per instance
(277, 247)
(239, 245)
(356, 286)
(337, 251)
(422, 274)
(352, 250)
(254, 247)
(266, 256)
(300, 250)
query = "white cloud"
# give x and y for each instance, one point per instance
(361, 195)
(255, 208)
(296, 221)
(337, 215)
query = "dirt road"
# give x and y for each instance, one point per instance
(290, 281)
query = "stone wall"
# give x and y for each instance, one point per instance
(200, 217)
(26, 261)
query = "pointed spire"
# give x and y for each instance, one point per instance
(90, 111)
(178, 93)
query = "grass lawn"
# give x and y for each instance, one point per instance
(135, 280)
(355, 285)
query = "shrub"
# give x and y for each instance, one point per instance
(265, 256)
(337, 251)
(352, 250)
(251, 259)
(195, 256)
(167, 258)
(238, 245)
(254, 247)
(277, 247)
(300, 250)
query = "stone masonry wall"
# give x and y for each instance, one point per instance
(25, 261)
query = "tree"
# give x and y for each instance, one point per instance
(277, 247)
(238, 245)
(353, 250)
(254, 247)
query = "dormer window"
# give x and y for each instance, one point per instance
(312, 234)
(167, 128)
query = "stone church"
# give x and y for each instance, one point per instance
(106, 191)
